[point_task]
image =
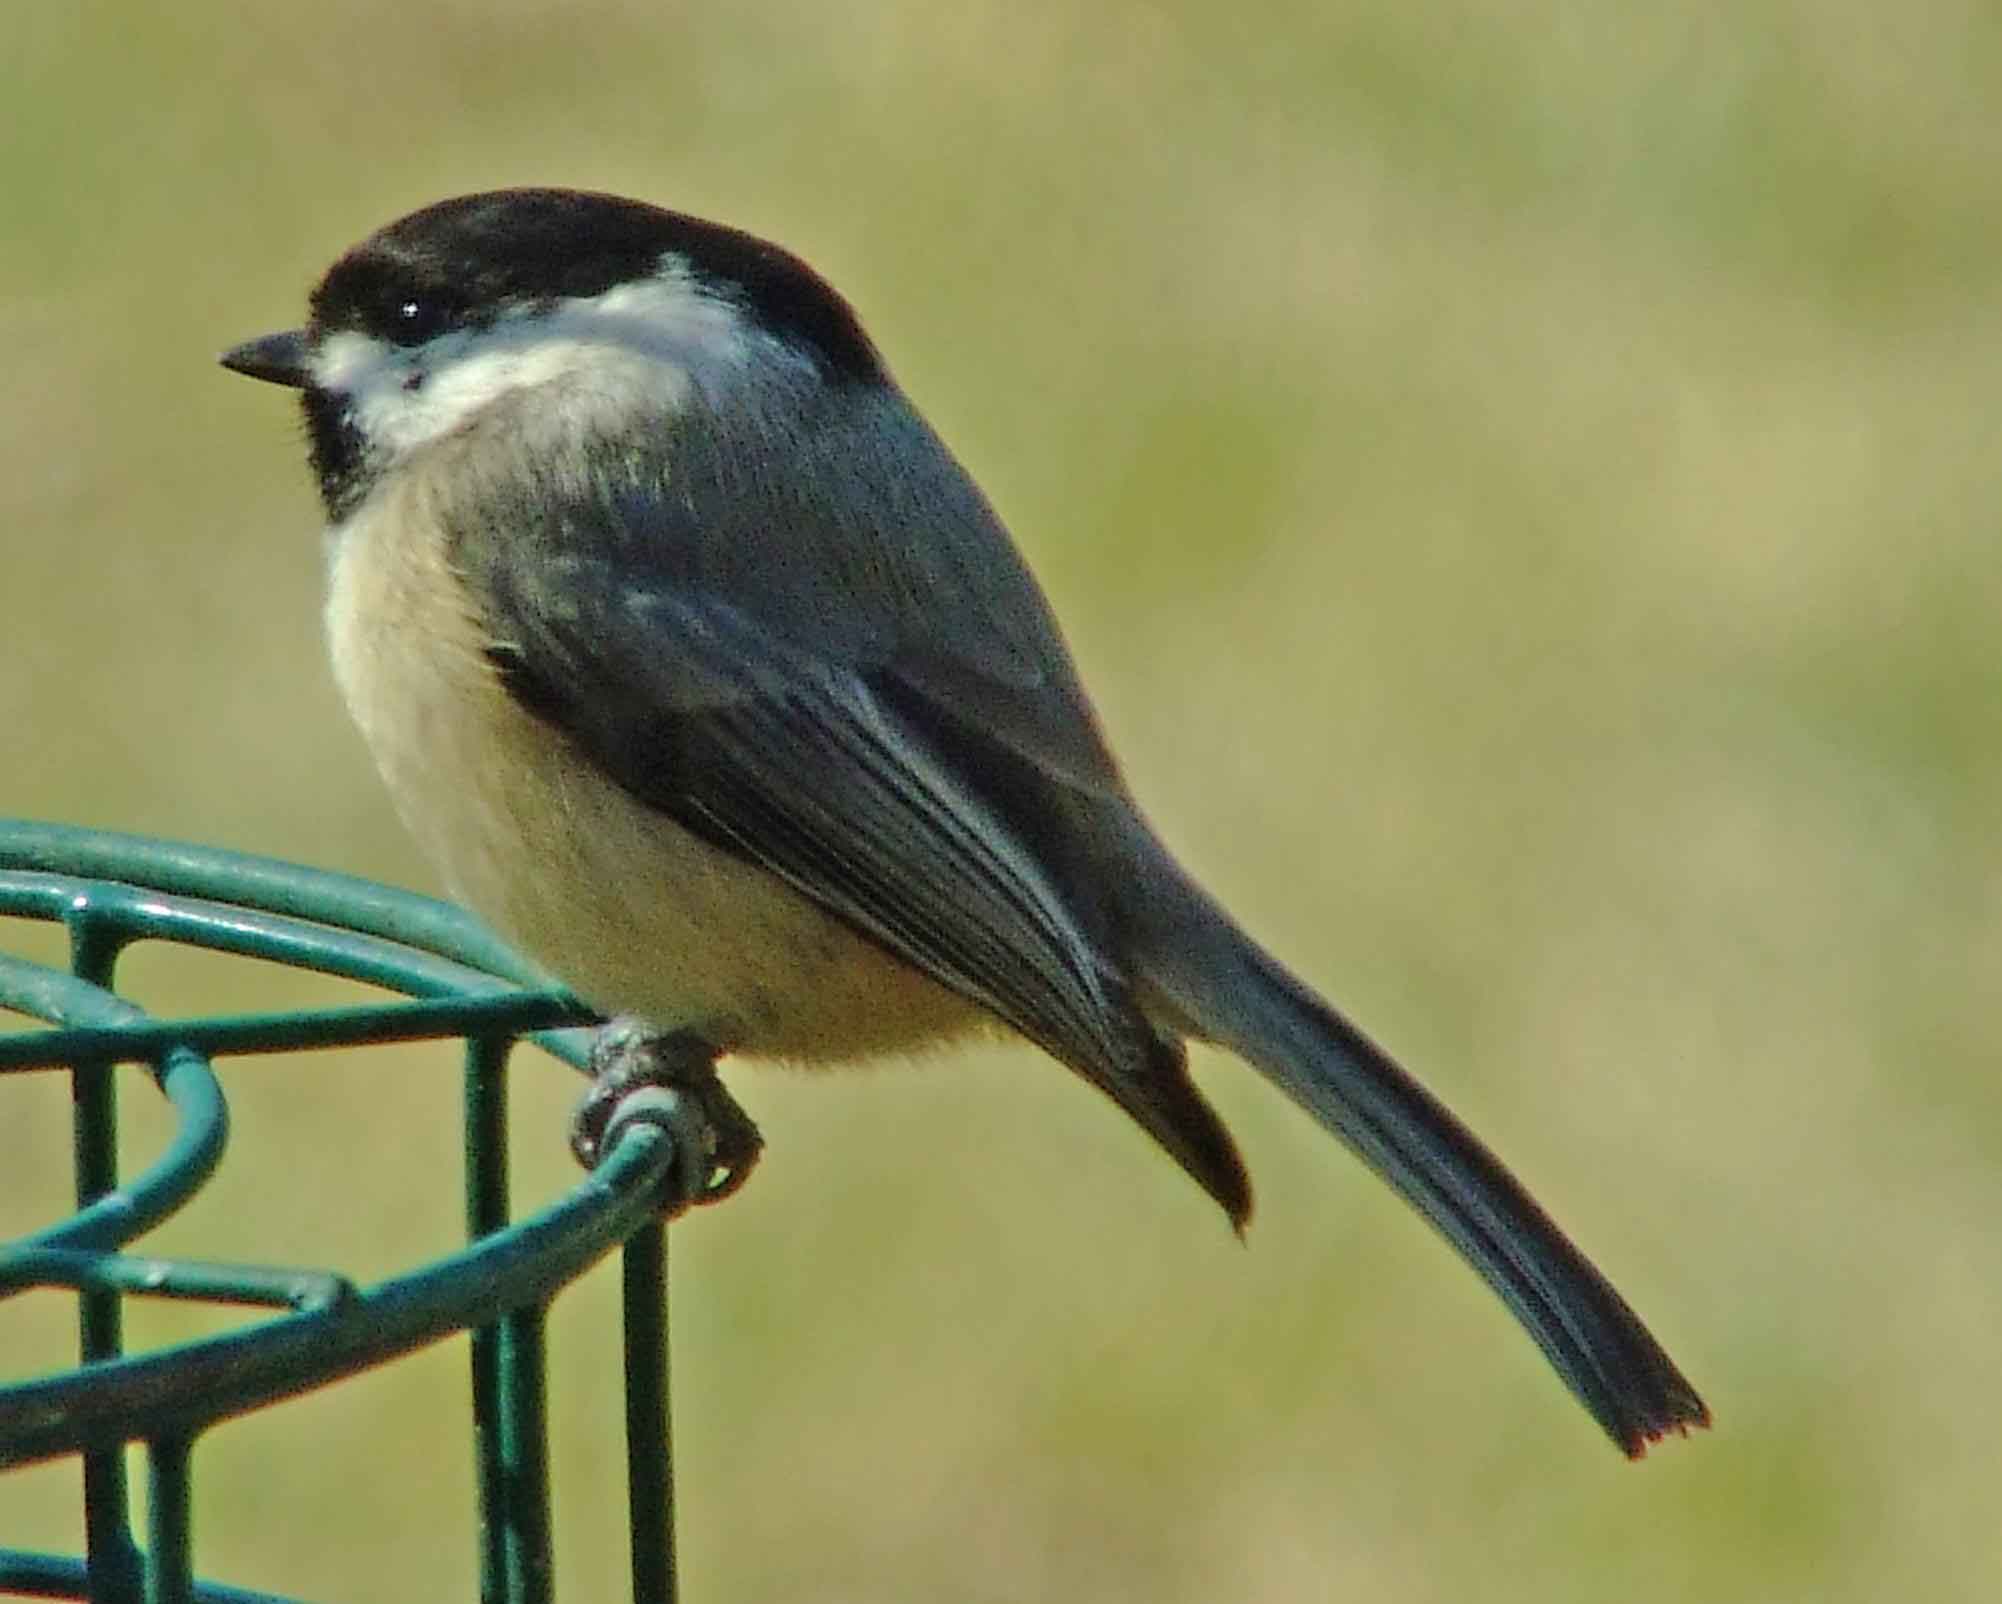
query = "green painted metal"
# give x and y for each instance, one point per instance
(110, 891)
(649, 1468)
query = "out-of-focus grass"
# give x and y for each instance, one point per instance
(1521, 483)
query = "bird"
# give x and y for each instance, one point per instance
(704, 672)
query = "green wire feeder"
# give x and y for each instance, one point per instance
(456, 980)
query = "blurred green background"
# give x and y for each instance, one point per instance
(1521, 482)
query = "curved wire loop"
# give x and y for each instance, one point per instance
(452, 978)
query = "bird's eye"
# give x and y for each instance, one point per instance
(413, 319)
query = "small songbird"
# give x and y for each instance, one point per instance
(707, 675)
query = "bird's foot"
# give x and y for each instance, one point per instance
(668, 1080)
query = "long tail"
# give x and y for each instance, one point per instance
(1226, 990)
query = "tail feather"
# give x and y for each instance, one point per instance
(1225, 989)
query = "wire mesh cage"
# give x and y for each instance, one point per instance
(452, 979)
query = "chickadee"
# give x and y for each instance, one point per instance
(706, 674)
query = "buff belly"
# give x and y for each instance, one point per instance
(633, 912)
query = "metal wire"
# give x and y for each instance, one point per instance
(110, 891)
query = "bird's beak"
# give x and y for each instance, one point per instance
(274, 358)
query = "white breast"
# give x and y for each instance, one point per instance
(632, 911)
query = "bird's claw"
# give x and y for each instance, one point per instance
(669, 1081)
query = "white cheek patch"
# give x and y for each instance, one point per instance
(636, 344)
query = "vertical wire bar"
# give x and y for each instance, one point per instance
(510, 1398)
(111, 1560)
(170, 1574)
(524, 1420)
(487, 1211)
(649, 1418)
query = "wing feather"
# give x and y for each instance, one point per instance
(727, 660)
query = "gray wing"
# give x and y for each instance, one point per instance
(847, 677)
